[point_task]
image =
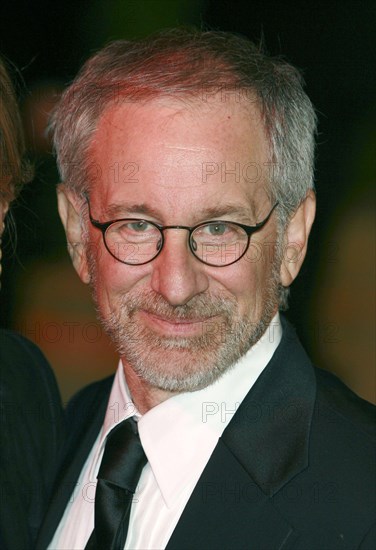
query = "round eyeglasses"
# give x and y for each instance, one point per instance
(218, 243)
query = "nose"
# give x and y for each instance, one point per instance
(177, 275)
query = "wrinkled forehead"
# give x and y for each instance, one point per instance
(198, 150)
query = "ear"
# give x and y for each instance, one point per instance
(68, 206)
(296, 239)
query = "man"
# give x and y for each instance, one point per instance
(187, 200)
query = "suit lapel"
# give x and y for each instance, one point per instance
(85, 421)
(228, 510)
(264, 446)
(269, 433)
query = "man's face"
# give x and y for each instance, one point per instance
(178, 323)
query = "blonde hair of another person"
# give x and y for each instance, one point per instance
(14, 168)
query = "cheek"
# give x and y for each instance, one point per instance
(114, 279)
(239, 280)
(111, 277)
(247, 281)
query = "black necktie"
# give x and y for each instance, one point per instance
(119, 473)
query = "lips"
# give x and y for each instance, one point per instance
(170, 326)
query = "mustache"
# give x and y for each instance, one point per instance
(200, 306)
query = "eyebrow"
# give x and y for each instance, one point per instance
(116, 211)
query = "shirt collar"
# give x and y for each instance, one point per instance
(120, 407)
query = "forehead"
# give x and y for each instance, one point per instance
(175, 155)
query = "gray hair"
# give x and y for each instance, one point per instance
(192, 64)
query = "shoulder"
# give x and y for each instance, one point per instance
(13, 345)
(14, 340)
(32, 415)
(25, 374)
(342, 444)
(336, 404)
(21, 358)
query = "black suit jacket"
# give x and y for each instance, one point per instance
(31, 436)
(295, 467)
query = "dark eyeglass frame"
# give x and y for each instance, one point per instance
(249, 230)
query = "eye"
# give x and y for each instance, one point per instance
(218, 232)
(140, 226)
(216, 229)
(133, 229)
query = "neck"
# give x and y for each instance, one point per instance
(144, 396)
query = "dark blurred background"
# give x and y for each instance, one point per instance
(332, 42)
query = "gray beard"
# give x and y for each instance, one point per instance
(178, 364)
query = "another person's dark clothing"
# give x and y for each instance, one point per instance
(31, 432)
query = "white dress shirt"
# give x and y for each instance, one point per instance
(178, 436)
